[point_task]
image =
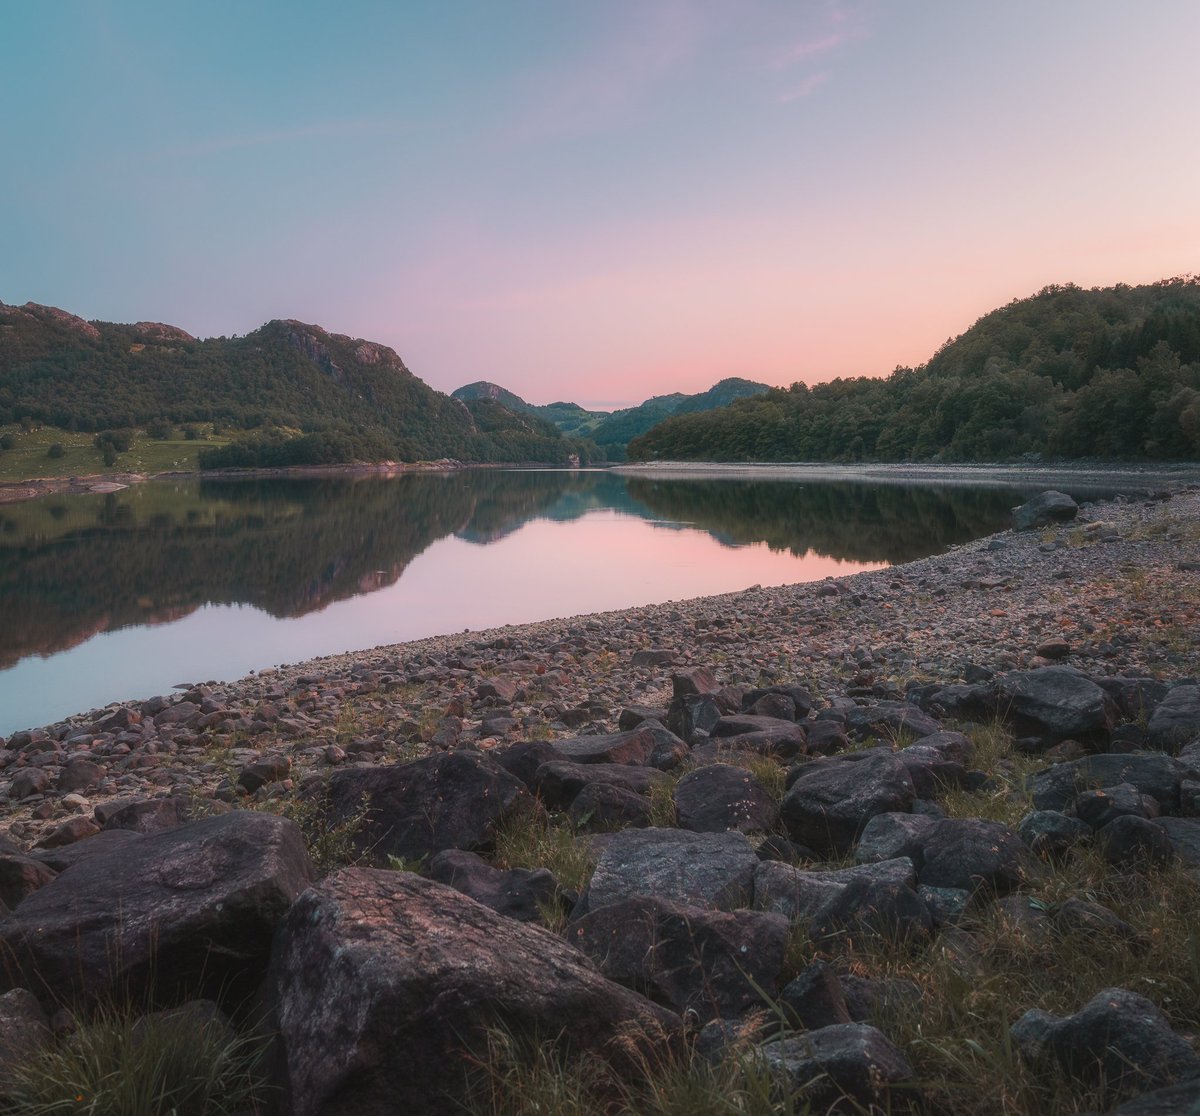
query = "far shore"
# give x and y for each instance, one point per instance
(1090, 474)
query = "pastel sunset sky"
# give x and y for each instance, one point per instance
(596, 201)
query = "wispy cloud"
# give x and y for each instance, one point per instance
(826, 31)
(611, 78)
(804, 87)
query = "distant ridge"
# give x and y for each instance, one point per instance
(612, 431)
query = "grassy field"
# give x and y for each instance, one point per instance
(29, 455)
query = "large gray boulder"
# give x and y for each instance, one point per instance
(453, 800)
(972, 854)
(1054, 703)
(191, 909)
(1042, 511)
(831, 801)
(383, 987)
(713, 870)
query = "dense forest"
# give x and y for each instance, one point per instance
(300, 395)
(1067, 374)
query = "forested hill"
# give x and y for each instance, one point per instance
(612, 431)
(1070, 373)
(297, 392)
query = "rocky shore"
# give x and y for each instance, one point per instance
(792, 804)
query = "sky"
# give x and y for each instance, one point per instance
(596, 201)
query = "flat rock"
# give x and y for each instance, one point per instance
(711, 870)
(973, 855)
(193, 907)
(559, 781)
(634, 747)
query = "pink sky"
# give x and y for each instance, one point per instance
(599, 202)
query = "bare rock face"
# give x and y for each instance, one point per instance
(382, 985)
(189, 908)
(161, 332)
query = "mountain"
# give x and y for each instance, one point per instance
(612, 431)
(306, 393)
(1109, 373)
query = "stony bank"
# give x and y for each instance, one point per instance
(920, 839)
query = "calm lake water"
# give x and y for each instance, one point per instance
(128, 594)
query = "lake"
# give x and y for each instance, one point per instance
(128, 594)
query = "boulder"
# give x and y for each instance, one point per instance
(634, 747)
(145, 815)
(1136, 843)
(383, 987)
(797, 893)
(1044, 510)
(830, 802)
(974, 855)
(1055, 703)
(516, 893)
(1184, 835)
(886, 909)
(715, 963)
(719, 797)
(847, 1060)
(1052, 834)
(1151, 773)
(192, 908)
(1176, 719)
(523, 759)
(21, 876)
(1097, 808)
(102, 843)
(1119, 1042)
(559, 781)
(600, 807)
(888, 836)
(711, 870)
(1081, 918)
(452, 800)
(24, 1030)
(815, 998)
(693, 716)
(891, 719)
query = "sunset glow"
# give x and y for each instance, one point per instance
(597, 202)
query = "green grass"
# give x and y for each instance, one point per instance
(531, 838)
(28, 458)
(180, 1065)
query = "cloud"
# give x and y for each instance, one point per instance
(604, 84)
(804, 87)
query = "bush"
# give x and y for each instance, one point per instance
(159, 429)
(56, 450)
(7, 441)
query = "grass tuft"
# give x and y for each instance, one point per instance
(116, 1065)
(531, 838)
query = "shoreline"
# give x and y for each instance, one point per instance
(1121, 585)
(1091, 475)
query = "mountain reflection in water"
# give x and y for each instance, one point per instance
(75, 567)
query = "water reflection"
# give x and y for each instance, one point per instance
(114, 576)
